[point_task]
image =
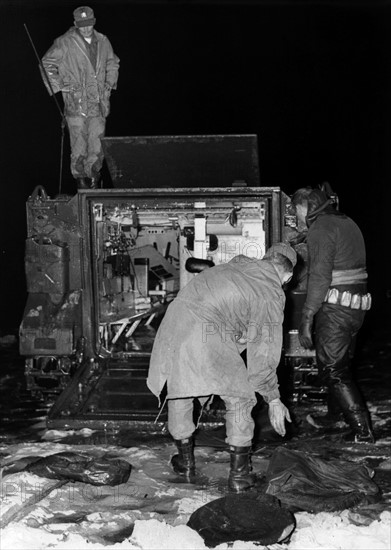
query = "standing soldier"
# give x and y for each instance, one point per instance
(336, 304)
(82, 65)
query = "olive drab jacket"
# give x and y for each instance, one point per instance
(85, 89)
(198, 344)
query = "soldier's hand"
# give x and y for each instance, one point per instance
(305, 335)
(305, 329)
(278, 413)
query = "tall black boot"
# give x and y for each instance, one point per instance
(361, 429)
(240, 477)
(354, 410)
(184, 463)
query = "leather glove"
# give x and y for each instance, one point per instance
(305, 329)
(278, 413)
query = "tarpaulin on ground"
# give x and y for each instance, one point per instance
(312, 484)
(248, 516)
(80, 467)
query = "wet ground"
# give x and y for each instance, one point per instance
(148, 447)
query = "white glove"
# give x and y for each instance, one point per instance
(277, 415)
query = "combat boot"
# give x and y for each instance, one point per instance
(240, 477)
(361, 431)
(355, 412)
(183, 463)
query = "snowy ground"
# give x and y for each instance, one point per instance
(151, 510)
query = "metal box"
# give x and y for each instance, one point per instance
(47, 266)
(122, 260)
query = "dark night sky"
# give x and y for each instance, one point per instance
(311, 79)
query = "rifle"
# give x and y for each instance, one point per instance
(63, 120)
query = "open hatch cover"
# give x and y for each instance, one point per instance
(182, 161)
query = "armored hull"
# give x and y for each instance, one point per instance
(103, 265)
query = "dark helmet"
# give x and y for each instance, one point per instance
(301, 195)
(316, 199)
(320, 200)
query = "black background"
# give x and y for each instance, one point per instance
(311, 79)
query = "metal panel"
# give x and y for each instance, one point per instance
(110, 330)
(182, 161)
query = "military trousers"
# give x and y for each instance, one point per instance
(85, 134)
(239, 422)
(336, 329)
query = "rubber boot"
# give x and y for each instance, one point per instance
(349, 399)
(240, 477)
(360, 424)
(184, 463)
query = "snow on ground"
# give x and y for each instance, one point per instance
(324, 530)
(150, 511)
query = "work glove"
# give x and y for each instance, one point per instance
(278, 413)
(305, 329)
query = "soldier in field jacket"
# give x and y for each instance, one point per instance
(82, 65)
(197, 352)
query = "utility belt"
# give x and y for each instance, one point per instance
(347, 299)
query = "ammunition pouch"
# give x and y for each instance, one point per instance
(347, 299)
